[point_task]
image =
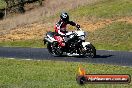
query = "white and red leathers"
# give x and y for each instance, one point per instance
(60, 28)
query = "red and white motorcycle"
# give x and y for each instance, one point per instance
(73, 44)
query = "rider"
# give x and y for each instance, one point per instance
(60, 27)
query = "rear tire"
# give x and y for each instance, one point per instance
(49, 47)
(54, 50)
(91, 51)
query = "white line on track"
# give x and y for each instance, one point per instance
(26, 59)
(31, 59)
(11, 58)
(114, 50)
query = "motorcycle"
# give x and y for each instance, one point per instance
(74, 44)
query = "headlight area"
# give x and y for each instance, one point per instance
(82, 37)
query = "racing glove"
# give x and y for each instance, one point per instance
(77, 25)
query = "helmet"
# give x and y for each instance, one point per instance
(64, 16)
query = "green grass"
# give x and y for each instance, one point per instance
(53, 74)
(23, 43)
(104, 9)
(117, 36)
(2, 4)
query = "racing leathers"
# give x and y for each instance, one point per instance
(60, 29)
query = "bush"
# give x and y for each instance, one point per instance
(1, 15)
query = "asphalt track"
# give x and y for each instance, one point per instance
(122, 58)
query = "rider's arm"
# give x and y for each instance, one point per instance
(73, 24)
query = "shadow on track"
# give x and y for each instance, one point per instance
(103, 56)
(97, 56)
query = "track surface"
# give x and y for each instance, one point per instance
(123, 58)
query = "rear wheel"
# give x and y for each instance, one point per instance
(91, 51)
(54, 49)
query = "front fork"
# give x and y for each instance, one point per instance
(82, 49)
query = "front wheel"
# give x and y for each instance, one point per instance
(54, 49)
(91, 51)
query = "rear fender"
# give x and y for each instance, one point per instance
(49, 39)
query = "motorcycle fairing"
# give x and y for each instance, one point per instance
(80, 33)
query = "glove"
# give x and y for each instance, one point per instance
(77, 25)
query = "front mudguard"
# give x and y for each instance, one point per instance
(90, 49)
(84, 44)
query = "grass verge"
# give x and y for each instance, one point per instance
(117, 36)
(53, 74)
(104, 9)
(23, 43)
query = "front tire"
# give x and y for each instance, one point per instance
(91, 51)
